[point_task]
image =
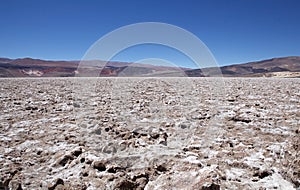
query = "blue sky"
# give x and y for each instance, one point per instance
(235, 31)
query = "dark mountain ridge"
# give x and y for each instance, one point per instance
(276, 67)
(27, 67)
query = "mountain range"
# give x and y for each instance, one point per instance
(27, 67)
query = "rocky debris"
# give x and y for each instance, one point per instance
(124, 184)
(210, 186)
(241, 119)
(58, 183)
(67, 158)
(262, 174)
(149, 133)
(99, 165)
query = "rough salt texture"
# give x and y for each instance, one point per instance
(149, 133)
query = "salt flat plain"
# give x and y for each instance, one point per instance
(150, 133)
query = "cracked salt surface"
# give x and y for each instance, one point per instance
(149, 133)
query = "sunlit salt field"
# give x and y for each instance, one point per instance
(149, 133)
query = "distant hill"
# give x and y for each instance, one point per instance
(27, 67)
(276, 67)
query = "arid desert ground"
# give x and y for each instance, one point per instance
(149, 133)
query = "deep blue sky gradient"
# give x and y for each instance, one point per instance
(235, 31)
